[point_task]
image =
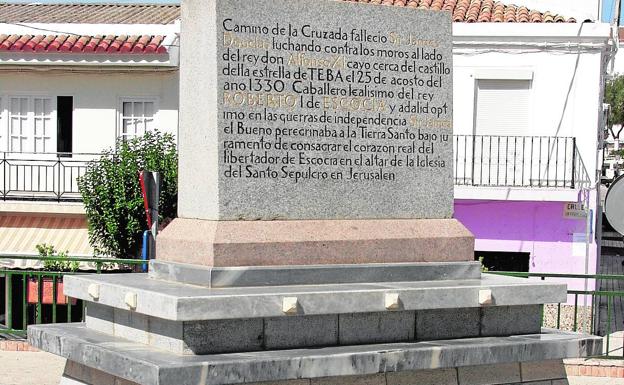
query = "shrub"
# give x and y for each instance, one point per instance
(111, 192)
(46, 250)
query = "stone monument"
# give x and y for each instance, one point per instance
(315, 241)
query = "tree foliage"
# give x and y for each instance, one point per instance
(614, 96)
(111, 192)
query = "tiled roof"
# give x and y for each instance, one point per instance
(135, 44)
(469, 11)
(89, 13)
(478, 11)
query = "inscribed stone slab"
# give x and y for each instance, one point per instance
(315, 110)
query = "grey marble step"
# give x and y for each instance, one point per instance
(148, 366)
(179, 302)
(308, 331)
(312, 274)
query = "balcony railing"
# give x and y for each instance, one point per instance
(518, 161)
(504, 161)
(42, 177)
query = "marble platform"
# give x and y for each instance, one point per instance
(184, 324)
(148, 366)
(183, 302)
(242, 276)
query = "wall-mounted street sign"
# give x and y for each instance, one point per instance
(574, 210)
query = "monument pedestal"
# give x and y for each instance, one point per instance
(311, 242)
(186, 325)
(316, 154)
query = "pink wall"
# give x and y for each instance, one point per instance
(538, 228)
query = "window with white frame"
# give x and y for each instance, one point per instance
(137, 117)
(502, 112)
(43, 126)
(31, 124)
(18, 124)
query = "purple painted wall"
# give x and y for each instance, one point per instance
(536, 227)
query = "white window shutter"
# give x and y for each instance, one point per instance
(502, 107)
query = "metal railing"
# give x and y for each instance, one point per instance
(518, 161)
(42, 177)
(36, 296)
(479, 160)
(589, 319)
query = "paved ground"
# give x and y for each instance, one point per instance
(29, 368)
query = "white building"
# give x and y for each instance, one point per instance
(527, 111)
(73, 78)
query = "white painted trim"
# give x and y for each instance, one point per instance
(89, 29)
(516, 194)
(503, 74)
(547, 32)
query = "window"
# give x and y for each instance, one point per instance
(43, 130)
(501, 124)
(64, 123)
(502, 107)
(18, 124)
(31, 124)
(137, 117)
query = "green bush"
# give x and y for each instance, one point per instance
(111, 192)
(47, 251)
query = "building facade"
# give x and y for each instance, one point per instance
(74, 78)
(527, 111)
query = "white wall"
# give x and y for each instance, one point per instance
(565, 97)
(97, 99)
(618, 64)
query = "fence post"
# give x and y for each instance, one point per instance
(58, 177)
(573, 161)
(9, 303)
(4, 176)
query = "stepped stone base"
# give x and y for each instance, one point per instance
(145, 365)
(255, 334)
(314, 242)
(385, 324)
(549, 372)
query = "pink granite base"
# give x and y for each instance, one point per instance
(264, 243)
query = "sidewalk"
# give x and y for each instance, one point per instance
(28, 368)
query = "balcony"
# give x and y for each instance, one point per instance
(518, 161)
(42, 177)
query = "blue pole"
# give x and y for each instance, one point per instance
(145, 249)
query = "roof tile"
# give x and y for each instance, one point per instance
(462, 11)
(144, 44)
(90, 13)
(482, 11)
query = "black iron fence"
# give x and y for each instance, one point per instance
(479, 160)
(43, 177)
(518, 161)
